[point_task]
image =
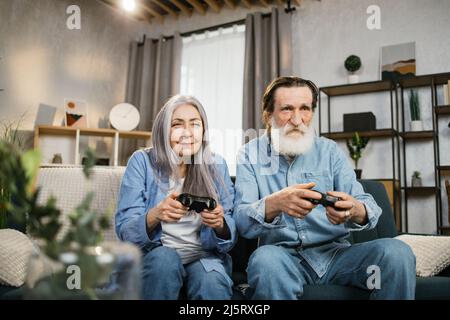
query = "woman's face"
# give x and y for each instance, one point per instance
(186, 130)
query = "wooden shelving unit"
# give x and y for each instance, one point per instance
(396, 133)
(444, 109)
(422, 190)
(94, 132)
(425, 80)
(445, 230)
(381, 133)
(409, 135)
(431, 81)
(357, 88)
(445, 170)
(392, 184)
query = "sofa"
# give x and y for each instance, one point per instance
(68, 185)
(436, 287)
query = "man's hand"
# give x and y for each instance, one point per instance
(215, 219)
(346, 209)
(292, 200)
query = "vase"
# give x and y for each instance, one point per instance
(416, 125)
(358, 173)
(353, 78)
(108, 271)
(416, 182)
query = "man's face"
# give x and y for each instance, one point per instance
(291, 131)
(293, 107)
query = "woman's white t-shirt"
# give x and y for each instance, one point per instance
(184, 235)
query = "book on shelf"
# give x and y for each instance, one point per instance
(445, 91)
(448, 93)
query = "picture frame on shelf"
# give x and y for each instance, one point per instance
(45, 115)
(398, 61)
(75, 113)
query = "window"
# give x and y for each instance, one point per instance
(212, 70)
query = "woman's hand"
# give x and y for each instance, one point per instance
(168, 210)
(215, 219)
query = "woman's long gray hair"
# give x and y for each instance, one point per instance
(201, 173)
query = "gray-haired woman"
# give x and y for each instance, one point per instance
(180, 247)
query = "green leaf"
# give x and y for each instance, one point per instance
(355, 147)
(89, 163)
(30, 161)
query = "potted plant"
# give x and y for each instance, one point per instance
(414, 107)
(416, 180)
(9, 134)
(352, 64)
(105, 270)
(355, 147)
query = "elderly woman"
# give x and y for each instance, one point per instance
(181, 248)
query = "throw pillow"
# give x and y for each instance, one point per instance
(432, 253)
(15, 250)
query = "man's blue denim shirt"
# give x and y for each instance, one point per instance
(262, 171)
(140, 191)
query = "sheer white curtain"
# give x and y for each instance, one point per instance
(212, 70)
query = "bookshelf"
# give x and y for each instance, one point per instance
(392, 184)
(431, 81)
(95, 132)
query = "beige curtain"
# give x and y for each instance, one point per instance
(268, 54)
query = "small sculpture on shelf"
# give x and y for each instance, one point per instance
(414, 107)
(355, 147)
(57, 158)
(416, 180)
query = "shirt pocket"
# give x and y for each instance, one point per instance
(212, 263)
(321, 178)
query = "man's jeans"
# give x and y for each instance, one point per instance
(164, 275)
(277, 273)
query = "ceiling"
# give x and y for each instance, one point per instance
(157, 10)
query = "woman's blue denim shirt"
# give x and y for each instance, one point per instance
(140, 191)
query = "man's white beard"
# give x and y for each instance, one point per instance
(292, 145)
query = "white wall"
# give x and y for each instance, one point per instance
(326, 32)
(44, 62)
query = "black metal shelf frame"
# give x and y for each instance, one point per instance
(431, 81)
(364, 88)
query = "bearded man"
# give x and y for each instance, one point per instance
(278, 177)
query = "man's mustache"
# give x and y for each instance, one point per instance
(290, 129)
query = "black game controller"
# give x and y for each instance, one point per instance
(326, 200)
(197, 203)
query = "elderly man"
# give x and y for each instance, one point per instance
(279, 177)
